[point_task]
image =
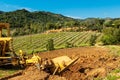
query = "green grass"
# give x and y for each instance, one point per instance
(5, 72)
(114, 49)
(113, 75)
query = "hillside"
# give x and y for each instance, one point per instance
(25, 22)
(1, 12)
(19, 18)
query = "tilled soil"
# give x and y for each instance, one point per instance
(93, 62)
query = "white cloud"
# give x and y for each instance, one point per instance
(76, 17)
(9, 7)
(29, 9)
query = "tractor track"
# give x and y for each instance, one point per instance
(12, 75)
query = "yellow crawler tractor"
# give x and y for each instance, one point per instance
(8, 56)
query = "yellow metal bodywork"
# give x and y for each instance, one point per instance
(62, 63)
(5, 39)
(5, 45)
(25, 60)
(6, 49)
(35, 59)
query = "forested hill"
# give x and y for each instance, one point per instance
(1, 12)
(33, 22)
(19, 18)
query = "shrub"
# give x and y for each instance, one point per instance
(50, 45)
(111, 36)
(93, 40)
(108, 39)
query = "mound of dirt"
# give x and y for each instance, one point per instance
(93, 62)
(32, 73)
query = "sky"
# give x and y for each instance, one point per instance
(72, 8)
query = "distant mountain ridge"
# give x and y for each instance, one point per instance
(20, 18)
(1, 12)
(25, 22)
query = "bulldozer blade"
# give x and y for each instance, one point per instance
(72, 62)
(55, 71)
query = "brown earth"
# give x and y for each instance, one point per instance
(93, 62)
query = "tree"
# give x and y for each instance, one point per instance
(50, 25)
(93, 40)
(111, 36)
(107, 23)
(92, 24)
(116, 35)
(116, 23)
(50, 45)
(108, 39)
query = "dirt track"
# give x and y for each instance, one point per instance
(93, 62)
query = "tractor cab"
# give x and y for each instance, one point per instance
(4, 39)
(5, 43)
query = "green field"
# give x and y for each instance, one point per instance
(38, 42)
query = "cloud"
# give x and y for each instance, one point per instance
(29, 9)
(9, 7)
(76, 17)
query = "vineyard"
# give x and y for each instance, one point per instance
(38, 42)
